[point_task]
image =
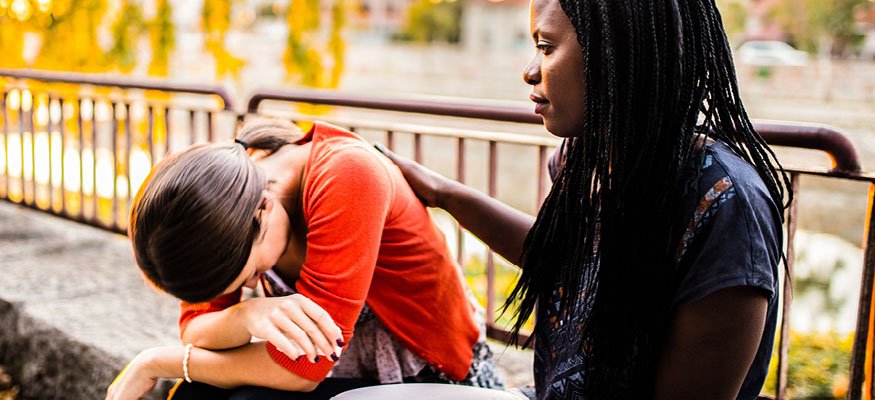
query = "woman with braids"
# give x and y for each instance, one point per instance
(346, 254)
(651, 267)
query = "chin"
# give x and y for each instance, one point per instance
(559, 131)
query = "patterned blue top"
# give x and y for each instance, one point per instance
(733, 238)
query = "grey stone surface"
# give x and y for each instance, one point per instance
(73, 306)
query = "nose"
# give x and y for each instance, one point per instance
(532, 73)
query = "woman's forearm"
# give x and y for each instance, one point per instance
(247, 365)
(500, 226)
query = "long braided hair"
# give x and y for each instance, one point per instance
(658, 74)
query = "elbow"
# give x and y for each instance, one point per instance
(308, 386)
(297, 384)
(189, 336)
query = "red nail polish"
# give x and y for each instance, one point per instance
(340, 342)
(315, 360)
(334, 357)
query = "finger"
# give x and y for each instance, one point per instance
(283, 344)
(294, 334)
(384, 150)
(326, 324)
(304, 321)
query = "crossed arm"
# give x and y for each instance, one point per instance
(224, 355)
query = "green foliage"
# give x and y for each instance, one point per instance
(216, 18)
(818, 365)
(816, 23)
(69, 36)
(126, 28)
(309, 59)
(506, 276)
(162, 38)
(734, 18)
(430, 21)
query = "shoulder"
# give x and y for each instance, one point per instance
(727, 182)
(341, 153)
(732, 228)
(343, 167)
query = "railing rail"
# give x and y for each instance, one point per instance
(121, 83)
(81, 137)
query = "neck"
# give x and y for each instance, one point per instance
(285, 169)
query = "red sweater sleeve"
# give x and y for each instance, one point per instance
(346, 202)
(190, 310)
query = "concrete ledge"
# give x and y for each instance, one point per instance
(73, 306)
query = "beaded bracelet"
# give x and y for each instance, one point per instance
(185, 362)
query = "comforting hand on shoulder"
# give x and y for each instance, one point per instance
(427, 184)
(294, 324)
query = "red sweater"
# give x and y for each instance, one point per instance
(371, 240)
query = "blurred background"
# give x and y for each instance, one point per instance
(797, 60)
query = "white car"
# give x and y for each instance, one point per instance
(770, 53)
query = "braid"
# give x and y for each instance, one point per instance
(657, 74)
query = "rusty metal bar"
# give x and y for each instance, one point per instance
(192, 137)
(115, 122)
(490, 256)
(787, 297)
(81, 163)
(122, 83)
(861, 333)
(95, 199)
(210, 133)
(417, 147)
(815, 137)
(5, 144)
(390, 140)
(332, 98)
(63, 133)
(166, 130)
(30, 119)
(460, 177)
(542, 176)
(51, 190)
(127, 158)
(150, 134)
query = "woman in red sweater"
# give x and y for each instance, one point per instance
(334, 235)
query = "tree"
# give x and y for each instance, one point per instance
(820, 25)
(433, 20)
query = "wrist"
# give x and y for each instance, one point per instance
(448, 191)
(162, 362)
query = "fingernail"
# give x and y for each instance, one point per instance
(315, 360)
(340, 342)
(299, 358)
(334, 357)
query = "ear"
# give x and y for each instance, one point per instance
(256, 154)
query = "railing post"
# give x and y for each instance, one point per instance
(860, 363)
(5, 145)
(460, 177)
(490, 257)
(787, 297)
(62, 131)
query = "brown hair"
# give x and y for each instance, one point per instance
(193, 222)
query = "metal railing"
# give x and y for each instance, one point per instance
(60, 126)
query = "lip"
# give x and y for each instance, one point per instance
(540, 102)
